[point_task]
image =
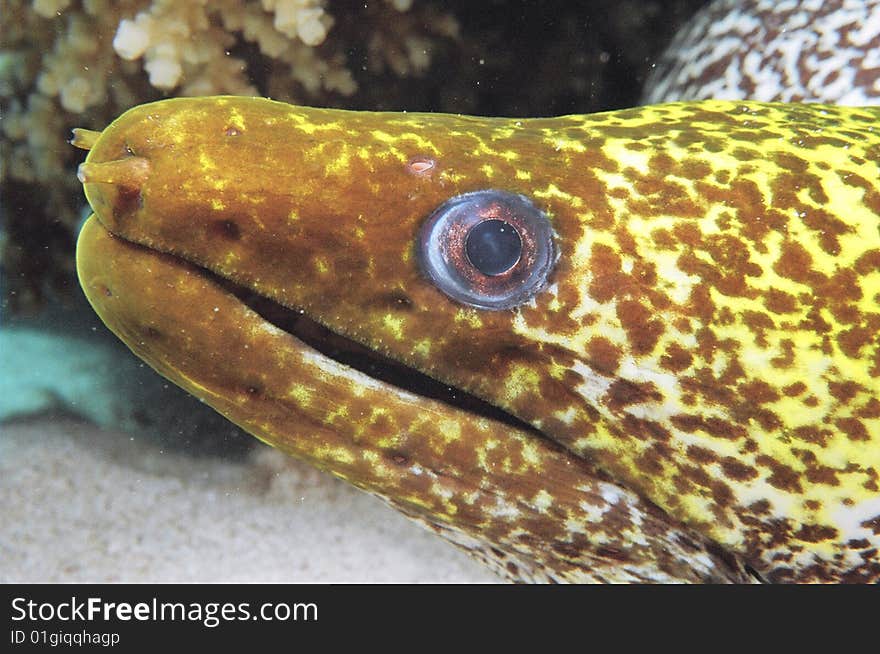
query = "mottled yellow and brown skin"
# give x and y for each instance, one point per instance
(708, 342)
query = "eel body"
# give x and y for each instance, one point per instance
(693, 395)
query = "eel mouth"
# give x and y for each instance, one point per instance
(297, 323)
(127, 175)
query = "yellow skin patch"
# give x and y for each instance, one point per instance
(708, 342)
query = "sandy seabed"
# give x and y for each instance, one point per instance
(80, 504)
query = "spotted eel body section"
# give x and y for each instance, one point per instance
(812, 51)
(708, 342)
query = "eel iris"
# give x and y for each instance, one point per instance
(489, 249)
(685, 352)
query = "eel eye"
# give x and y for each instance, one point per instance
(489, 249)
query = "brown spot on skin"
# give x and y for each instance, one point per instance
(853, 340)
(782, 476)
(755, 220)
(812, 434)
(383, 423)
(712, 426)
(649, 464)
(396, 300)
(853, 428)
(780, 575)
(815, 533)
(128, 200)
(768, 420)
(782, 556)
(623, 392)
(227, 229)
(758, 392)
(758, 323)
(815, 322)
(698, 474)
(642, 330)
(656, 191)
(867, 263)
(819, 474)
(608, 279)
(827, 226)
(604, 356)
(721, 493)
(700, 304)
(726, 316)
(780, 302)
(870, 410)
(676, 358)
(795, 389)
(786, 358)
(645, 429)
(737, 470)
(664, 240)
(873, 524)
(688, 234)
(843, 286)
(718, 390)
(727, 274)
(683, 325)
(790, 162)
(722, 177)
(795, 263)
(694, 169)
(701, 455)
(612, 553)
(844, 391)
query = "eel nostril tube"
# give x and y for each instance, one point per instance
(84, 139)
(130, 172)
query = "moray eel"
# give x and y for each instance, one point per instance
(669, 371)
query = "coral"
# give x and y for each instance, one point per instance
(69, 63)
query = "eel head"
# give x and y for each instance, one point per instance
(635, 346)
